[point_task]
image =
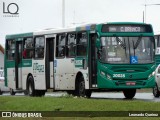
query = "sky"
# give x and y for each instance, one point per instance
(43, 14)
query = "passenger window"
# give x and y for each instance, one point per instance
(60, 45)
(39, 47)
(71, 45)
(82, 44)
(28, 48)
(10, 49)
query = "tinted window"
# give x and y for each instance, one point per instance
(39, 47)
(81, 44)
(10, 49)
(60, 45)
(28, 48)
(71, 45)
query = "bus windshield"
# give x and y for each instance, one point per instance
(121, 49)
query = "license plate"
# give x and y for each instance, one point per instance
(130, 83)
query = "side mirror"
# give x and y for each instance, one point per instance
(84, 64)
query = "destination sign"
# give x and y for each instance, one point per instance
(126, 28)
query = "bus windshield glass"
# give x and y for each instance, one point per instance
(122, 49)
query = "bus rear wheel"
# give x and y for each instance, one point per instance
(129, 93)
(156, 92)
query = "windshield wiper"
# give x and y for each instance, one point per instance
(138, 41)
(121, 43)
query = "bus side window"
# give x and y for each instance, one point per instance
(39, 47)
(28, 48)
(82, 44)
(71, 45)
(10, 49)
(60, 45)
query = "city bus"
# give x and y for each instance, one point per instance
(114, 56)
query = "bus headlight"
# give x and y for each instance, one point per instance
(106, 75)
(102, 73)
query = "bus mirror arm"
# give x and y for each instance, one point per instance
(84, 64)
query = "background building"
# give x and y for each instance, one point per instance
(1, 57)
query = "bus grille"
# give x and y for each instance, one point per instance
(129, 69)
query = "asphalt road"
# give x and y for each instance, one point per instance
(105, 95)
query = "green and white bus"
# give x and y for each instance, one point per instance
(116, 56)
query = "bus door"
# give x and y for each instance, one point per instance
(39, 63)
(92, 60)
(18, 64)
(49, 58)
(64, 62)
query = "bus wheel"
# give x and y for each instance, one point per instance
(129, 93)
(81, 88)
(30, 87)
(1, 92)
(12, 92)
(156, 92)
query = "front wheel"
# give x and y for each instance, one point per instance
(129, 93)
(156, 92)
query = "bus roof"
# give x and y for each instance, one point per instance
(85, 27)
(13, 36)
(52, 31)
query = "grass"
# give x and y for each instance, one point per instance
(22, 103)
(69, 103)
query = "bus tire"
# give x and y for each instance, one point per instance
(30, 87)
(12, 92)
(156, 92)
(1, 92)
(129, 93)
(80, 88)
